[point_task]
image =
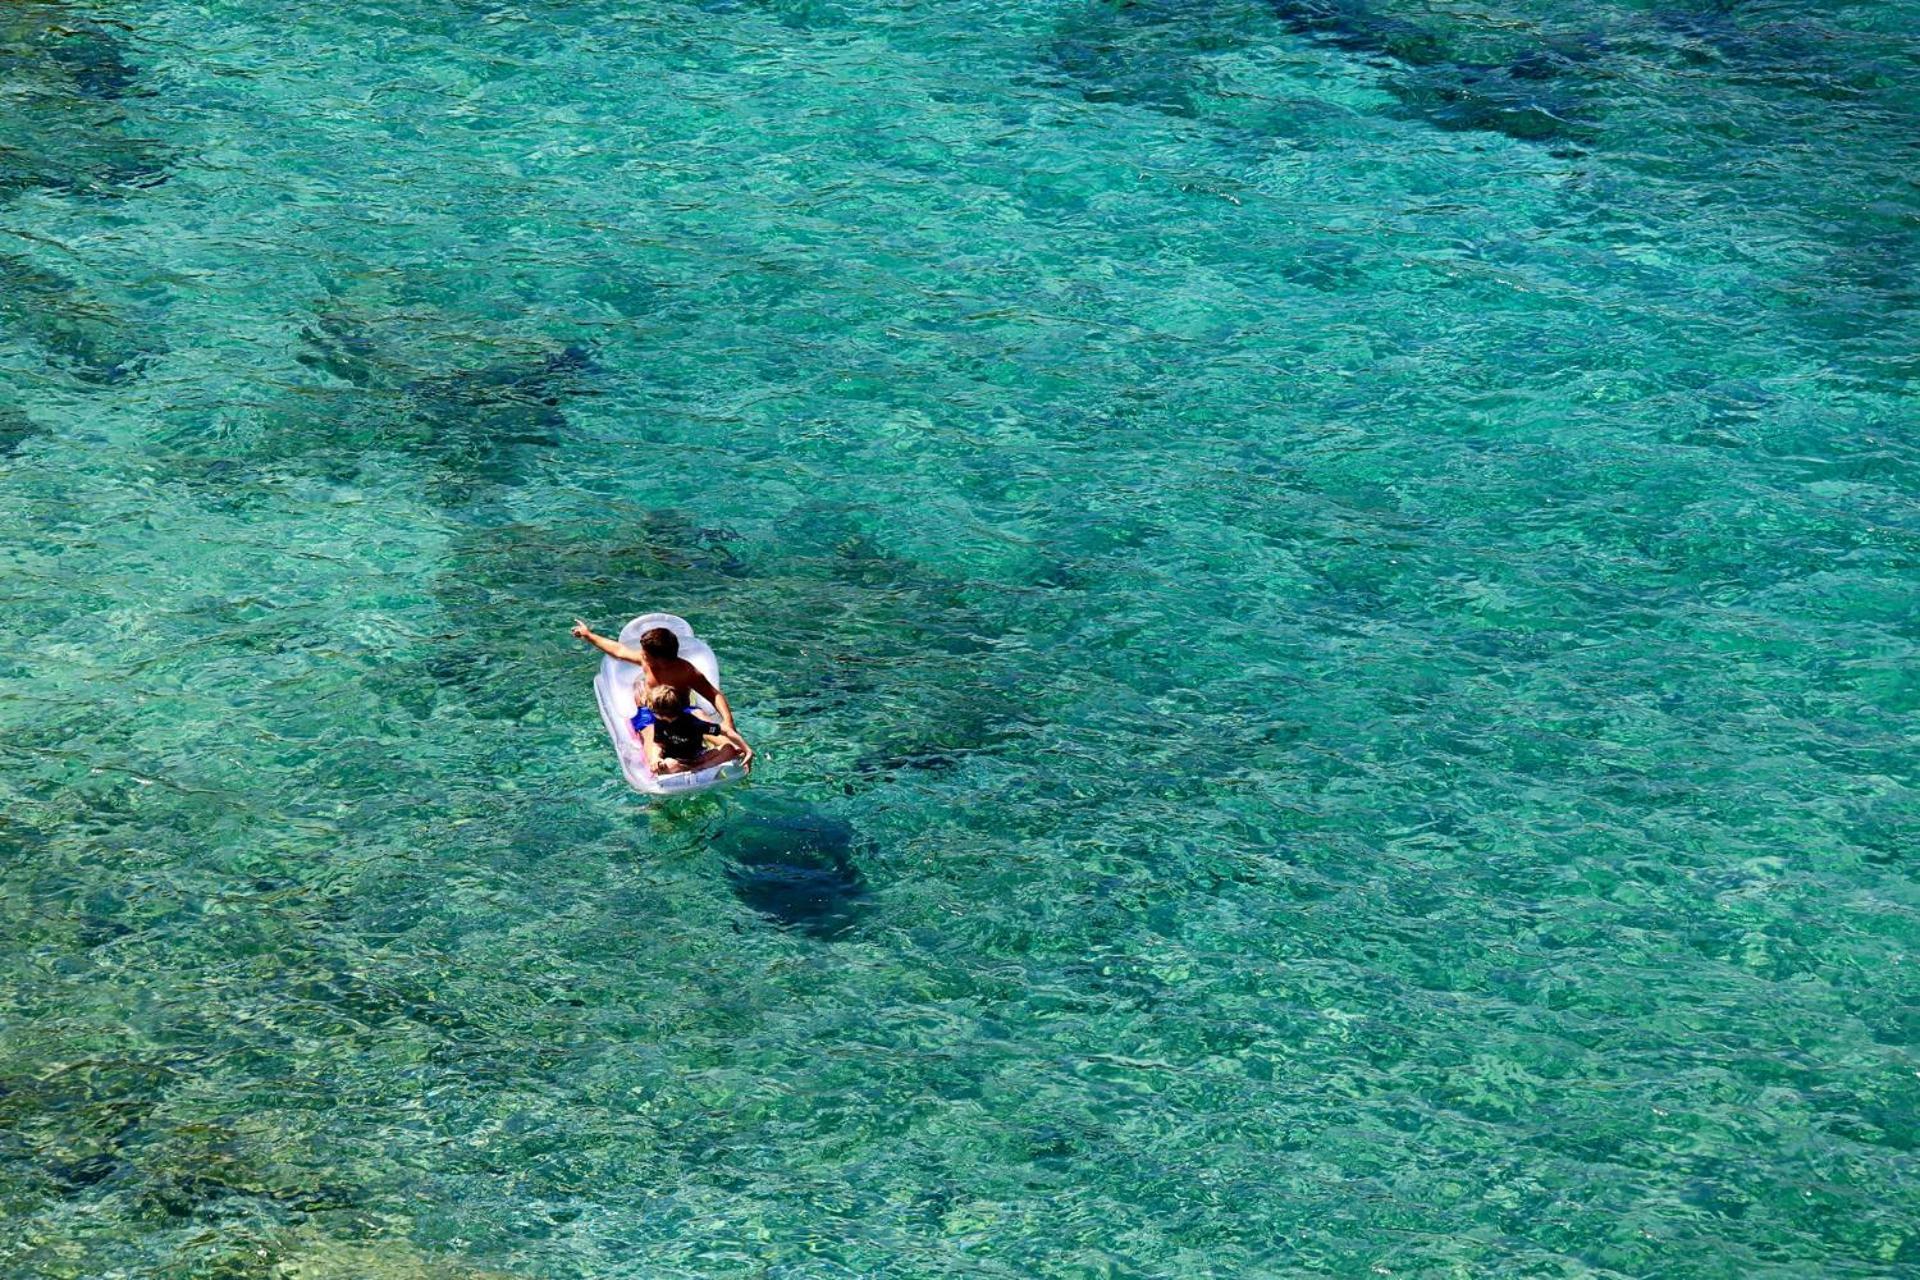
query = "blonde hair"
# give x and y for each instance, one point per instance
(667, 699)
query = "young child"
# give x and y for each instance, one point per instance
(675, 739)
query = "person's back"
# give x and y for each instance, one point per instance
(676, 673)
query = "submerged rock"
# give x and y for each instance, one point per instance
(64, 131)
(1140, 54)
(474, 425)
(474, 422)
(69, 329)
(797, 869)
(94, 61)
(1519, 99)
(1355, 27)
(507, 586)
(15, 430)
(1522, 98)
(1153, 53)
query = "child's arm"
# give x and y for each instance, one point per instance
(650, 749)
(720, 735)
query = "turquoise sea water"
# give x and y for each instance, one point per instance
(1327, 592)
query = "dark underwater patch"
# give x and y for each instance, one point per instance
(1327, 264)
(476, 427)
(335, 346)
(948, 727)
(77, 1175)
(1354, 27)
(1152, 53)
(1794, 51)
(887, 664)
(1530, 98)
(677, 540)
(16, 428)
(202, 1169)
(375, 1001)
(1525, 99)
(65, 132)
(89, 55)
(477, 424)
(95, 61)
(1140, 54)
(1866, 302)
(72, 332)
(795, 868)
(67, 1129)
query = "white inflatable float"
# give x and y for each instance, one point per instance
(614, 687)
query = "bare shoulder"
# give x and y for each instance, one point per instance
(685, 673)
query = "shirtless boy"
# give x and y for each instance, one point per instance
(661, 664)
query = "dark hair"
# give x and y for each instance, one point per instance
(667, 699)
(659, 643)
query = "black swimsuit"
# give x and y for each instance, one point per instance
(681, 737)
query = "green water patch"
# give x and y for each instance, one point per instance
(63, 326)
(475, 426)
(1168, 57)
(1333, 692)
(88, 48)
(16, 428)
(70, 128)
(1153, 55)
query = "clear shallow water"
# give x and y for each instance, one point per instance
(1328, 599)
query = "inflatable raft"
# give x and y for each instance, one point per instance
(613, 686)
